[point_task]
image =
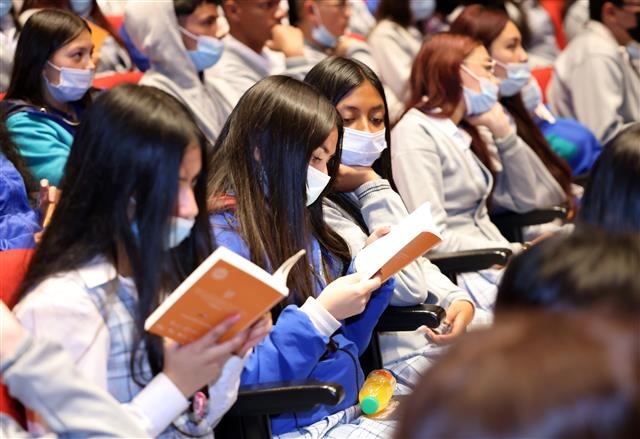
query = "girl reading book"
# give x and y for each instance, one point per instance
(130, 225)
(363, 200)
(277, 152)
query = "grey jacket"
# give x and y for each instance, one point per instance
(429, 165)
(153, 27)
(389, 39)
(594, 82)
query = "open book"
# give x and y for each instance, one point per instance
(407, 240)
(225, 283)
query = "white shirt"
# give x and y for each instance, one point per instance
(60, 309)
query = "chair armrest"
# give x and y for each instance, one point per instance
(409, 318)
(470, 260)
(285, 396)
(538, 216)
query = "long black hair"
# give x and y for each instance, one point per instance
(261, 157)
(43, 34)
(124, 168)
(336, 77)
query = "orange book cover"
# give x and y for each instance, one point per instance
(408, 240)
(225, 283)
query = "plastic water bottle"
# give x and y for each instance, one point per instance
(376, 392)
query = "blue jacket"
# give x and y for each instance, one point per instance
(296, 350)
(43, 138)
(18, 222)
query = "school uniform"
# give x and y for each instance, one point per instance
(595, 83)
(90, 312)
(153, 28)
(307, 341)
(391, 40)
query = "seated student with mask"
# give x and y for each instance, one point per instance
(324, 25)
(47, 95)
(596, 78)
(258, 45)
(182, 39)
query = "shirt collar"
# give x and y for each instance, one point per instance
(97, 272)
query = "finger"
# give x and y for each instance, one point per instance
(381, 231)
(368, 285)
(219, 330)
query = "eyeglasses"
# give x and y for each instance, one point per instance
(489, 66)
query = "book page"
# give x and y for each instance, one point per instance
(409, 239)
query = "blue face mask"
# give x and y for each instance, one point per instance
(73, 84)
(422, 9)
(321, 34)
(208, 51)
(81, 7)
(479, 102)
(5, 7)
(518, 75)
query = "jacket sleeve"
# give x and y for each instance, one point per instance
(417, 172)
(290, 351)
(44, 148)
(523, 182)
(45, 379)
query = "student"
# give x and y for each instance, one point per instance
(41, 375)
(601, 54)
(130, 226)
(397, 35)
(612, 197)
(324, 26)
(258, 45)
(261, 209)
(9, 30)
(362, 201)
(47, 96)
(569, 140)
(112, 55)
(439, 155)
(531, 376)
(182, 39)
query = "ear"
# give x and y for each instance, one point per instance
(309, 11)
(608, 13)
(230, 8)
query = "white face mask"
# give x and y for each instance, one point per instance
(321, 34)
(483, 101)
(179, 230)
(518, 75)
(316, 182)
(531, 96)
(73, 84)
(361, 148)
(208, 50)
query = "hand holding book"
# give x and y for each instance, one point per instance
(405, 242)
